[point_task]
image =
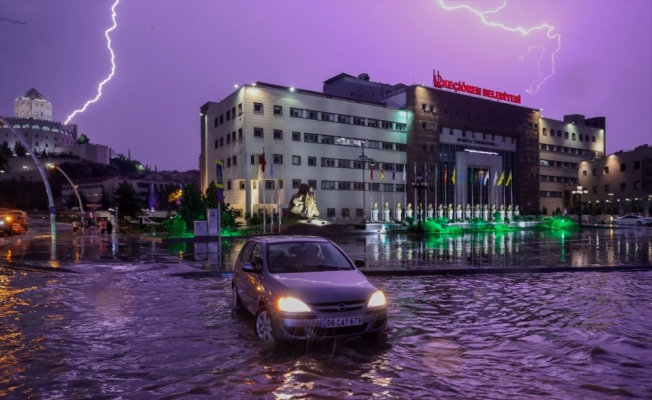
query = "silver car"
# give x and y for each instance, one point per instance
(305, 287)
(631, 219)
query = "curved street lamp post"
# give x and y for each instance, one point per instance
(579, 192)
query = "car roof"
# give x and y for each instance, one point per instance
(290, 238)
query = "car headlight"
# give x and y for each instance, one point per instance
(290, 304)
(377, 300)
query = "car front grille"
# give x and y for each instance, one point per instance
(341, 331)
(340, 306)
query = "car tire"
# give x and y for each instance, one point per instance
(264, 326)
(236, 302)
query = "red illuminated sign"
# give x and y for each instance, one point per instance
(441, 83)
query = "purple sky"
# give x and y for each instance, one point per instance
(174, 56)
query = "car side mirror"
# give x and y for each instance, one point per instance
(359, 263)
(248, 267)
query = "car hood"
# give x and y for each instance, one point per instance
(324, 286)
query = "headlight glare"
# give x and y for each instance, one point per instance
(377, 300)
(290, 304)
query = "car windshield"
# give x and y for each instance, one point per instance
(305, 256)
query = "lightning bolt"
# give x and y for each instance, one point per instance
(108, 78)
(536, 85)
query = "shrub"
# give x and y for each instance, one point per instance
(176, 226)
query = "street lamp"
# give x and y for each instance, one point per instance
(579, 192)
(74, 188)
(364, 160)
(419, 184)
(611, 204)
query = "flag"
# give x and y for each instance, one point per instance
(445, 174)
(480, 177)
(404, 169)
(453, 176)
(495, 177)
(263, 162)
(471, 177)
(486, 178)
(436, 174)
(382, 172)
(502, 178)
(371, 171)
(509, 179)
(393, 172)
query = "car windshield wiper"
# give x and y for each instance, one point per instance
(328, 267)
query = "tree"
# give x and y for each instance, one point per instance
(20, 150)
(6, 150)
(83, 139)
(192, 207)
(128, 201)
(3, 160)
(210, 196)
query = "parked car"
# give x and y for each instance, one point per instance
(305, 287)
(6, 225)
(20, 217)
(630, 219)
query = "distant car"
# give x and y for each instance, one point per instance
(305, 287)
(20, 217)
(6, 225)
(631, 219)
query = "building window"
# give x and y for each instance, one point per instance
(606, 170)
(310, 138)
(593, 139)
(217, 122)
(312, 184)
(345, 212)
(296, 183)
(278, 134)
(296, 160)
(637, 165)
(311, 114)
(327, 117)
(595, 171)
(573, 137)
(221, 119)
(328, 185)
(240, 133)
(228, 162)
(296, 136)
(558, 133)
(258, 108)
(623, 167)
(595, 189)
(254, 184)
(623, 187)
(233, 136)
(295, 112)
(242, 185)
(278, 158)
(228, 115)
(387, 125)
(228, 185)
(400, 188)
(543, 194)
(235, 160)
(258, 132)
(372, 123)
(327, 162)
(606, 188)
(239, 109)
(217, 143)
(344, 119)
(637, 185)
(269, 184)
(312, 161)
(278, 110)
(330, 212)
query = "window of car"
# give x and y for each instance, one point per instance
(256, 254)
(246, 252)
(293, 257)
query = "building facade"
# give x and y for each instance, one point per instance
(619, 183)
(436, 147)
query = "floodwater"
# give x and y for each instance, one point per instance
(123, 325)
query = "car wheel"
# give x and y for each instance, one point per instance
(263, 326)
(235, 298)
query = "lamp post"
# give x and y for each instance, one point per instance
(364, 160)
(579, 192)
(74, 188)
(419, 184)
(611, 204)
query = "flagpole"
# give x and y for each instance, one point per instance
(425, 176)
(278, 206)
(404, 190)
(436, 184)
(264, 192)
(271, 226)
(393, 211)
(371, 191)
(414, 179)
(472, 180)
(382, 191)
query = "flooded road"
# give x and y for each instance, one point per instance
(121, 326)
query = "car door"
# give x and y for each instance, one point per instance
(251, 280)
(239, 276)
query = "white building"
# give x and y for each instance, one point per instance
(308, 138)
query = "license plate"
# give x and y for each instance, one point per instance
(337, 322)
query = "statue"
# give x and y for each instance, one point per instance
(458, 212)
(467, 212)
(386, 212)
(509, 208)
(502, 207)
(440, 211)
(450, 212)
(374, 212)
(502, 212)
(408, 211)
(409, 206)
(485, 213)
(398, 206)
(304, 203)
(430, 210)
(516, 211)
(399, 212)
(509, 212)
(476, 212)
(493, 208)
